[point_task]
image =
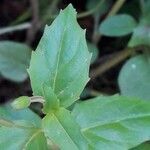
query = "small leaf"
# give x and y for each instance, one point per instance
(134, 77)
(8, 113)
(22, 138)
(64, 131)
(20, 130)
(114, 122)
(118, 25)
(14, 60)
(21, 102)
(61, 60)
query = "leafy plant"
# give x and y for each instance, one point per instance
(118, 25)
(59, 71)
(14, 60)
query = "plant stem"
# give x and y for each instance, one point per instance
(35, 24)
(113, 61)
(38, 99)
(116, 7)
(7, 123)
(142, 6)
(49, 11)
(15, 28)
(87, 13)
(24, 16)
(96, 93)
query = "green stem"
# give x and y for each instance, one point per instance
(86, 13)
(142, 6)
(15, 28)
(114, 60)
(116, 7)
(37, 99)
(90, 12)
(48, 14)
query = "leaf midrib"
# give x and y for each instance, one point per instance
(58, 56)
(99, 123)
(31, 138)
(66, 131)
(9, 124)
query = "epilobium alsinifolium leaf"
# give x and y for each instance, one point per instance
(61, 61)
(114, 123)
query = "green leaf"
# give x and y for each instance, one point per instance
(8, 113)
(52, 102)
(61, 59)
(17, 138)
(20, 130)
(14, 60)
(118, 25)
(114, 122)
(134, 77)
(64, 131)
(145, 9)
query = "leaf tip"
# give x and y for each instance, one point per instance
(70, 9)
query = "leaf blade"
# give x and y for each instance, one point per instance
(118, 25)
(57, 56)
(18, 138)
(62, 130)
(8, 113)
(115, 122)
